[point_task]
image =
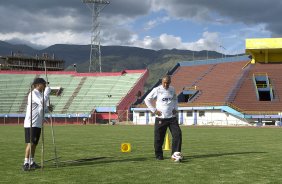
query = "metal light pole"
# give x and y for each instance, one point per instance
(109, 97)
(222, 50)
(74, 66)
(96, 6)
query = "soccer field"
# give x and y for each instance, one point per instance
(212, 155)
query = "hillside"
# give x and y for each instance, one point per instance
(114, 58)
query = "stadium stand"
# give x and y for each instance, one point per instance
(226, 91)
(82, 94)
(208, 77)
(249, 89)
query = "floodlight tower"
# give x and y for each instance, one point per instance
(96, 6)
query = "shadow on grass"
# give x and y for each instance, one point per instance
(95, 161)
(105, 160)
(187, 158)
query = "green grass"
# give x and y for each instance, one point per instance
(212, 155)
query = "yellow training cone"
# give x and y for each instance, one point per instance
(125, 147)
(167, 143)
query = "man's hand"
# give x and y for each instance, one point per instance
(174, 111)
(159, 113)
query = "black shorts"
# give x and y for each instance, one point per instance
(35, 135)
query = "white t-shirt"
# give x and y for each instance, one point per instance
(37, 107)
(166, 101)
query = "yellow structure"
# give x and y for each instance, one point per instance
(125, 147)
(167, 143)
(264, 50)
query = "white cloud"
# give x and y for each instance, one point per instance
(69, 21)
(234, 41)
(153, 23)
(209, 41)
(49, 38)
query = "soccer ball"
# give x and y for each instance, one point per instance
(177, 157)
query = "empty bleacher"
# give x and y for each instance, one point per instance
(102, 92)
(229, 82)
(246, 97)
(68, 83)
(81, 93)
(213, 80)
(13, 90)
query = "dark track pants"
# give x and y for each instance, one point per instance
(160, 131)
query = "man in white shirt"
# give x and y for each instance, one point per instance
(165, 111)
(39, 93)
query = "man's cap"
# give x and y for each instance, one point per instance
(39, 81)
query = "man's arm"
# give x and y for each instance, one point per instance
(47, 91)
(175, 101)
(48, 107)
(149, 99)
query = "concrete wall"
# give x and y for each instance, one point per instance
(195, 117)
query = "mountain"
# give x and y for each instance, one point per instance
(7, 48)
(114, 58)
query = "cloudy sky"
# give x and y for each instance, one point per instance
(220, 25)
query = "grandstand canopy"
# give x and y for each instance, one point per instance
(264, 50)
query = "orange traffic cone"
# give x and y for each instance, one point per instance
(167, 143)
